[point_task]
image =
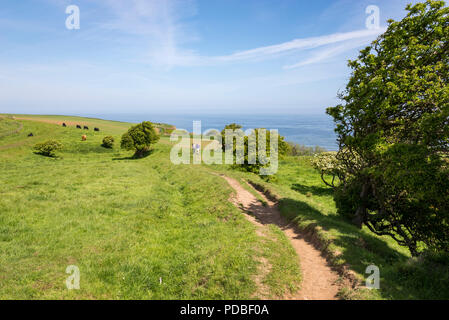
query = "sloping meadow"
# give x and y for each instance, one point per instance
(135, 229)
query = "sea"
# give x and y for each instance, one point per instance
(308, 130)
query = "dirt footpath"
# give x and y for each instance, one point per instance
(319, 281)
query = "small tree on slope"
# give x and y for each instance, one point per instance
(140, 138)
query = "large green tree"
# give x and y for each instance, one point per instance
(247, 153)
(393, 130)
(139, 138)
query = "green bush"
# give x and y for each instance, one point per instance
(248, 153)
(302, 150)
(48, 148)
(169, 131)
(140, 138)
(108, 142)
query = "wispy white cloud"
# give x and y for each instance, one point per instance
(333, 51)
(165, 36)
(159, 23)
(171, 55)
(299, 44)
(319, 57)
(350, 40)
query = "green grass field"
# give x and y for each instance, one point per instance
(137, 229)
(148, 229)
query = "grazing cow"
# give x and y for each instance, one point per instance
(96, 129)
(78, 126)
(84, 137)
(64, 125)
(31, 135)
(86, 127)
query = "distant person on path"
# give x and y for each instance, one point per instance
(196, 148)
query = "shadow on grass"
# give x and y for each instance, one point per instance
(51, 156)
(359, 249)
(86, 148)
(136, 156)
(317, 191)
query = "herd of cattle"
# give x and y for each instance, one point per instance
(79, 127)
(84, 137)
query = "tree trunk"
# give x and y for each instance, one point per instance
(360, 214)
(358, 218)
(140, 153)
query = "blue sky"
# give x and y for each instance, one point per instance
(181, 56)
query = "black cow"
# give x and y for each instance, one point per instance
(64, 125)
(96, 129)
(31, 135)
(78, 126)
(86, 127)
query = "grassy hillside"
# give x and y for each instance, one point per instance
(137, 229)
(147, 229)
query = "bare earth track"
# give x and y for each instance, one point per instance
(319, 281)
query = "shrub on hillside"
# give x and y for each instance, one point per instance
(48, 148)
(302, 150)
(108, 142)
(244, 158)
(169, 131)
(140, 138)
(326, 164)
(234, 127)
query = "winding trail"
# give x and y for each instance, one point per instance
(319, 281)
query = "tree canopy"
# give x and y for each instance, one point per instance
(249, 155)
(140, 138)
(393, 131)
